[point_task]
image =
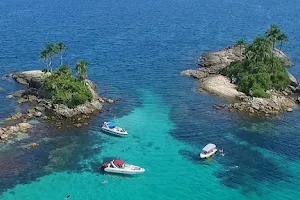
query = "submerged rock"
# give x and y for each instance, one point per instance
(31, 146)
(9, 132)
(24, 126)
(14, 117)
(19, 93)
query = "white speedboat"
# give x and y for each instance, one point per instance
(120, 167)
(112, 128)
(208, 151)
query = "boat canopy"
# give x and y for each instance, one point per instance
(209, 147)
(119, 162)
(111, 124)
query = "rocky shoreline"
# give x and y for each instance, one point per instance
(211, 74)
(32, 98)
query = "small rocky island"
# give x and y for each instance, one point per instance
(53, 95)
(253, 77)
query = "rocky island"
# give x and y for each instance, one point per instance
(253, 77)
(53, 95)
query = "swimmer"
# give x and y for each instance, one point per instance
(68, 197)
(104, 182)
(221, 152)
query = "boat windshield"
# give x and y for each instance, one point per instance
(111, 124)
(204, 152)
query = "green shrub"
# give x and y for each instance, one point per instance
(260, 71)
(260, 92)
(67, 90)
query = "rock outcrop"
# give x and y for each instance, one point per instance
(215, 63)
(287, 61)
(277, 103)
(211, 76)
(28, 77)
(36, 92)
(221, 86)
(9, 132)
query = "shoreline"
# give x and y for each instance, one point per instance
(212, 79)
(34, 106)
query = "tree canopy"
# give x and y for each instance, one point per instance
(67, 90)
(260, 71)
(51, 50)
(82, 69)
(61, 86)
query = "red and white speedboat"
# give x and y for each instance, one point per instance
(120, 167)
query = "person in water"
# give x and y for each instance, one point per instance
(222, 152)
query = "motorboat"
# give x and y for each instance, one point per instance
(120, 167)
(112, 128)
(209, 150)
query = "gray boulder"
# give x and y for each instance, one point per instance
(287, 61)
(34, 77)
(293, 80)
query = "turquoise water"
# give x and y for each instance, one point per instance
(168, 174)
(136, 51)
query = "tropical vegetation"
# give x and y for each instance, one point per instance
(61, 86)
(260, 71)
(50, 51)
(82, 69)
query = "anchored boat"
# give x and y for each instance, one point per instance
(209, 150)
(112, 128)
(120, 167)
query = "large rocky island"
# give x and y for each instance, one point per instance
(214, 76)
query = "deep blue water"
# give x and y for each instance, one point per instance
(135, 46)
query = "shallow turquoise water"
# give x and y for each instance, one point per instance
(168, 174)
(136, 51)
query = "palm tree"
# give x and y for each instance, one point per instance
(44, 57)
(273, 33)
(241, 43)
(61, 48)
(51, 52)
(82, 69)
(259, 50)
(282, 38)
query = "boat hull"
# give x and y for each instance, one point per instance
(124, 171)
(117, 133)
(203, 156)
